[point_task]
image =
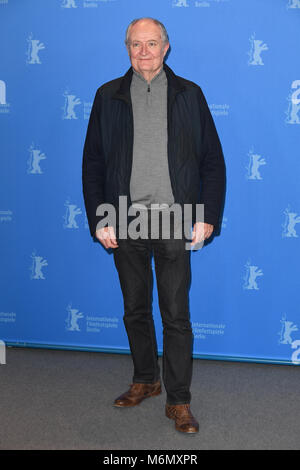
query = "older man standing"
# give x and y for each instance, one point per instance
(151, 138)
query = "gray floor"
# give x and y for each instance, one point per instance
(53, 399)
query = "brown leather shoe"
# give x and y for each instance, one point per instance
(137, 393)
(184, 420)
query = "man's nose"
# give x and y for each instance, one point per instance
(144, 50)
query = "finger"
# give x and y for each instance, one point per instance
(111, 243)
(200, 235)
(208, 233)
(193, 238)
(113, 239)
(103, 236)
(108, 243)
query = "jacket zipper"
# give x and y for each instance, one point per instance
(171, 169)
(131, 147)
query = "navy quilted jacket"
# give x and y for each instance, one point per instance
(195, 157)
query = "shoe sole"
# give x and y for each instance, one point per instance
(152, 394)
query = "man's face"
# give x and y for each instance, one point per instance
(146, 49)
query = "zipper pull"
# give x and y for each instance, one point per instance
(148, 96)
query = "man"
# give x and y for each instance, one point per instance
(151, 138)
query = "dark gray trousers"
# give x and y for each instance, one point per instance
(133, 260)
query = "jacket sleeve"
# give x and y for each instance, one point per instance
(212, 166)
(93, 167)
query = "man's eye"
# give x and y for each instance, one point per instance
(135, 44)
(152, 44)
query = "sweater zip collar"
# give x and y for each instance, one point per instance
(156, 77)
(174, 86)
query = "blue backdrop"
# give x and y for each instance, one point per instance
(58, 287)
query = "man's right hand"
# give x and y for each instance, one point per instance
(106, 235)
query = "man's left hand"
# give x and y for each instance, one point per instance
(201, 231)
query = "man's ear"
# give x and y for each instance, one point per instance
(166, 47)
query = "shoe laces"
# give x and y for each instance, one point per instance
(183, 411)
(137, 386)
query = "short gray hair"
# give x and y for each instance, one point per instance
(164, 34)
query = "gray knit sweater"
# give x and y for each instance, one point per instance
(150, 180)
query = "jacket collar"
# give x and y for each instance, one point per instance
(174, 85)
